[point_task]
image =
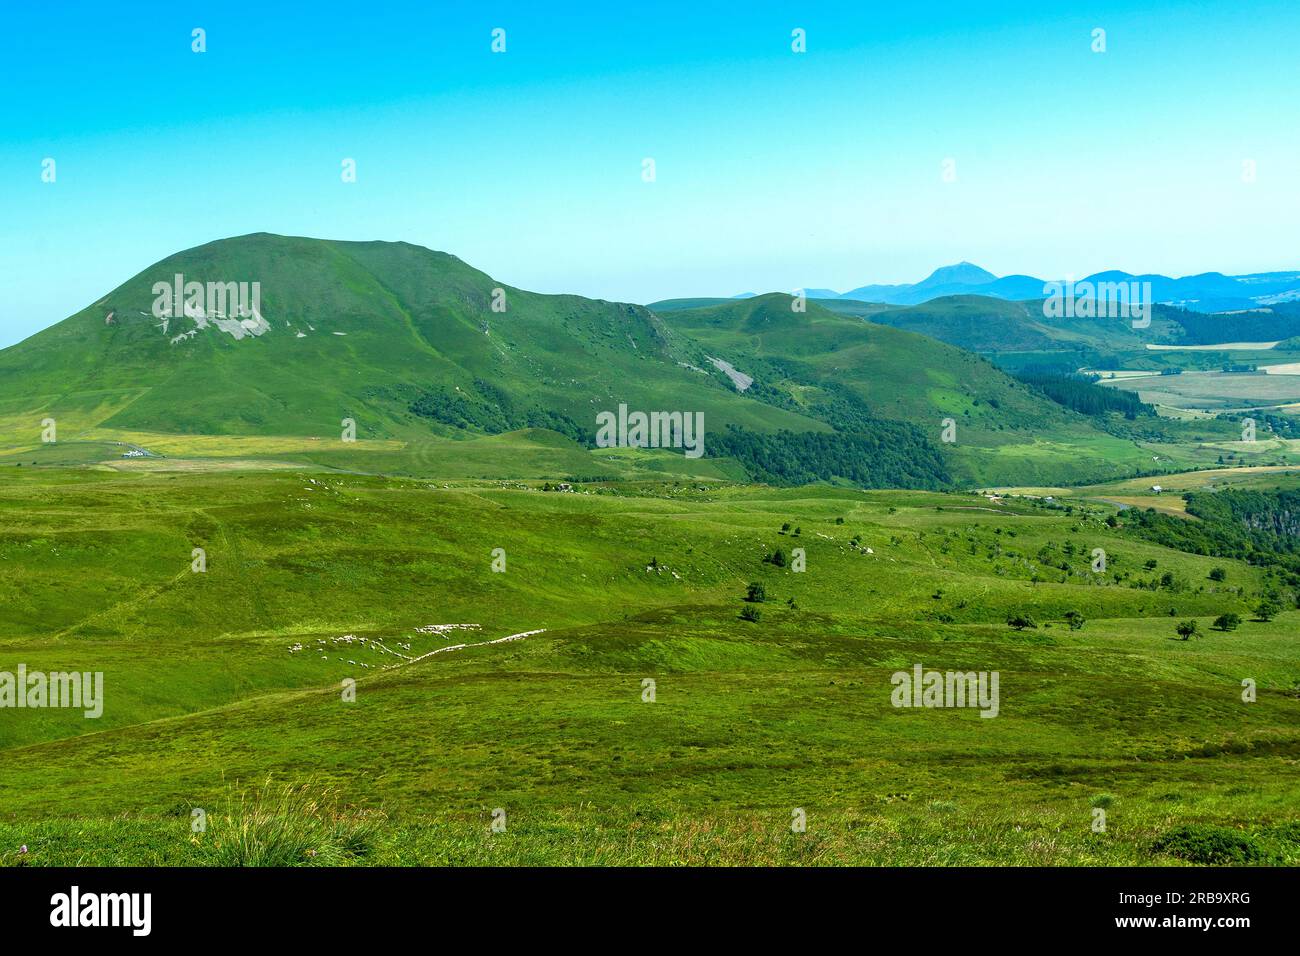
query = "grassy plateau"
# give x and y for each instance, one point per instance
(224, 689)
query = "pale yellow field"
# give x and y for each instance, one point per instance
(1220, 347)
(158, 465)
(1188, 480)
(1166, 504)
(203, 446)
(1133, 491)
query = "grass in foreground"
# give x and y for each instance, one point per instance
(752, 720)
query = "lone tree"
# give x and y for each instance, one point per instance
(750, 613)
(1227, 622)
(1218, 574)
(1074, 619)
(756, 593)
(1021, 621)
(1267, 609)
(1187, 629)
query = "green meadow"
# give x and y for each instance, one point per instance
(226, 691)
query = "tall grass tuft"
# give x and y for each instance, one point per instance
(285, 825)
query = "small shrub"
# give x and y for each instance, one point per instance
(1209, 844)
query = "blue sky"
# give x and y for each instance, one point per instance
(775, 170)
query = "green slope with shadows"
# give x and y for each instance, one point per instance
(815, 360)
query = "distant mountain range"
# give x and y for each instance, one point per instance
(1207, 292)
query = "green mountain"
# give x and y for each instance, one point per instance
(352, 329)
(415, 345)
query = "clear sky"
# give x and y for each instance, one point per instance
(774, 170)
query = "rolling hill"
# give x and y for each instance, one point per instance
(1016, 333)
(822, 363)
(983, 324)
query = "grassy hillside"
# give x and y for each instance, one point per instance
(819, 360)
(205, 694)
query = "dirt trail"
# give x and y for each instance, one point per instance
(133, 601)
(460, 647)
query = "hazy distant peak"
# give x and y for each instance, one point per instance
(963, 273)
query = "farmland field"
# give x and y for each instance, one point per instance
(1219, 346)
(1213, 390)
